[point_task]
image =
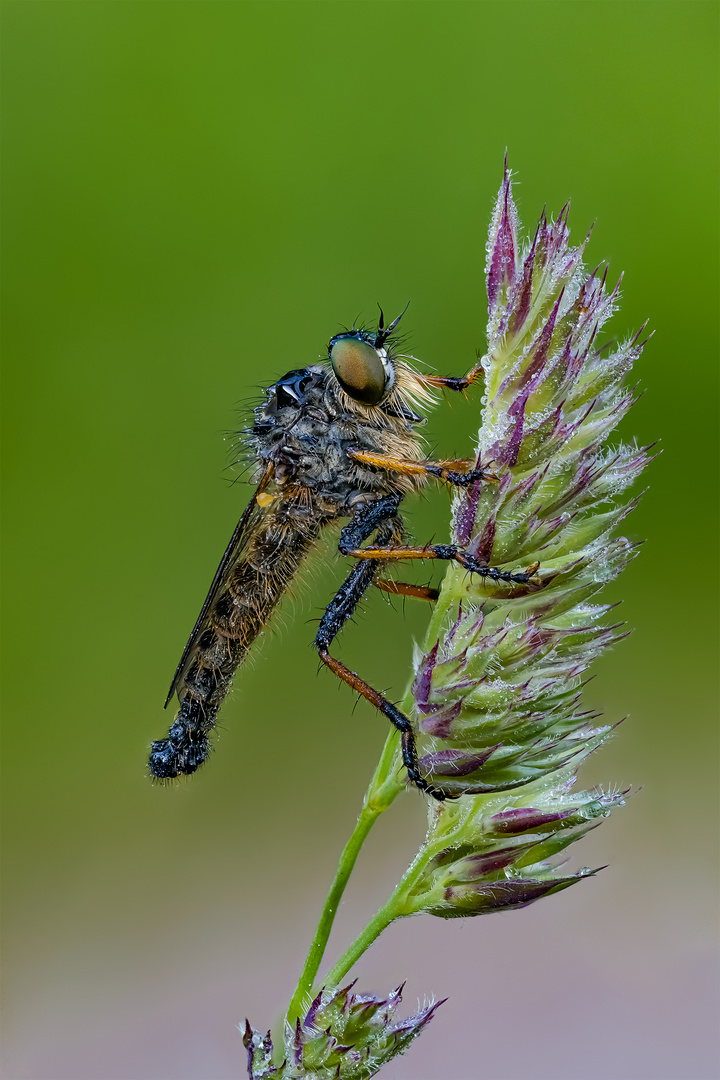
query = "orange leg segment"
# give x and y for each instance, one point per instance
(453, 382)
(402, 588)
(452, 554)
(458, 472)
(397, 718)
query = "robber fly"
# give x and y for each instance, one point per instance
(335, 440)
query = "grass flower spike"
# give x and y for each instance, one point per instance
(496, 695)
(342, 1035)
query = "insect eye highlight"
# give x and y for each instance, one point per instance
(360, 369)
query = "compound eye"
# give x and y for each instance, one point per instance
(359, 369)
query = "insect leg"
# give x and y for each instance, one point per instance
(401, 588)
(398, 719)
(364, 522)
(369, 517)
(341, 608)
(452, 553)
(453, 382)
(459, 473)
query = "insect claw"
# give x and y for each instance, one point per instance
(532, 575)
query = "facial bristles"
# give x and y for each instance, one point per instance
(410, 387)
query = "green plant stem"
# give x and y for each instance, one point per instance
(398, 905)
(384, 788)
(303, 991)
(363, 941)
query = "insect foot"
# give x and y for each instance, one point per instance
(410, 761)
(475, 566)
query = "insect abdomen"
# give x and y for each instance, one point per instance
(240, 612)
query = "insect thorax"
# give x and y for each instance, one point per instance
(308, 424)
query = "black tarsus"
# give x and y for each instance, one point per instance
(455, 554)
(456, 382)
(458, 479)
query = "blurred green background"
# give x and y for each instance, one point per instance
(196, 196)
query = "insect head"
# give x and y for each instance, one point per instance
(361, 363)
